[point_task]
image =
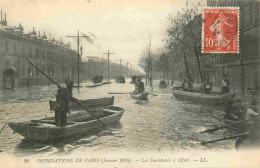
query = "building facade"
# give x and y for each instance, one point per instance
(53, 57)
(243, 69)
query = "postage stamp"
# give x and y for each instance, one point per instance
(220, 30)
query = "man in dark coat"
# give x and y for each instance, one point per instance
(141, 86)
(62, 107)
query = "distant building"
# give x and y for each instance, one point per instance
(52, 57)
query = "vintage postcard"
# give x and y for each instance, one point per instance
(129, 83)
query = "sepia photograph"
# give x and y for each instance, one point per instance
(129, 83)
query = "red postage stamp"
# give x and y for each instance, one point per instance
(220, 30)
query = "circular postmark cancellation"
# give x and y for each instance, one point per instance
(220, 30)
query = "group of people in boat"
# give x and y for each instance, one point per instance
(236, 111)
(63, 99)
(206, 86)
(139, 86)
(97, 79)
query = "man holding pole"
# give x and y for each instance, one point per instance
(62, 108)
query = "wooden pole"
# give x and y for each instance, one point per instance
(78, 56)
(221, 139)
(215, 129)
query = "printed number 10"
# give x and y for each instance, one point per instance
(209, 42)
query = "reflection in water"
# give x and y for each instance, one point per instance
(160, 123)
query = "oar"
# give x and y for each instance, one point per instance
(225, 126)
(152, 94)
(117, 93)
(64, 91)
(221, 139)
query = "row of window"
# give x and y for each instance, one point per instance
(251, 15)
(13, 48)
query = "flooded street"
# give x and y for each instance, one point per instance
(160, 123)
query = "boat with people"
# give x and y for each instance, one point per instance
(162, 84)
(88, 103)
(97, 79)
(140, 96)
(212, 99)
(77, 123)
(120, 79)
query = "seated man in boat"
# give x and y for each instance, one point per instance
(253, 111)
(137, 86)
(235, 110)
(207, 86)
(185, 85)
(62, 107)
(141, 86)
(225, 84)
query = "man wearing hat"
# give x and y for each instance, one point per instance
(62, 107)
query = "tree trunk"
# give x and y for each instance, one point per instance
(186, 64)
(172, 76)
(198, 61)
(242, 75)
(146, 77)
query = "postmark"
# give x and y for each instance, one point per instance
(220, 30)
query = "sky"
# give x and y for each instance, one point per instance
(120, 26)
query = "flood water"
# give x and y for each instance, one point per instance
(160, 123)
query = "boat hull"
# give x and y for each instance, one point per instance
(44, 133)
(141, 96)
(202, 98)
(89, 103)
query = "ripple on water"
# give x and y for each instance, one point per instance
(160, 123)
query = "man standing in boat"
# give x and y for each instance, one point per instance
(62, 107)
(70, 85)
(225, 84)
(207, 86)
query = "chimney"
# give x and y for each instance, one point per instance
(5, 16)
(1, 15)
(39, 34)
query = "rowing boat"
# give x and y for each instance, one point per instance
(88, 103)
(141, 96)
(97, 84)
(242, 127)
(213, 99)
(45, 129)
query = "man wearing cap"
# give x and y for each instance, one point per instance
(225, 84)
(252, 112)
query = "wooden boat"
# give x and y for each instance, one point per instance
(213, 99)
(120, 79)
(98, 84)
(242, 127)
(163, 84)
(89, 103)
(45, 129)
(141, 96)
